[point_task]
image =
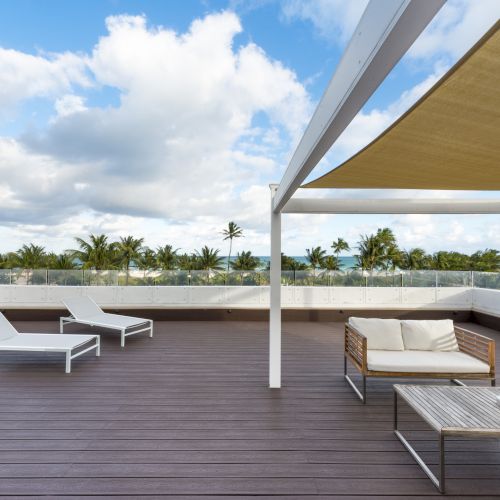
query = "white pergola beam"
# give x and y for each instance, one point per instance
(385, 32)
(391, 206)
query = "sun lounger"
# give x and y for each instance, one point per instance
(12, 340)
(86, 312)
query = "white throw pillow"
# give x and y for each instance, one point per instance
(429, 335)
(381, 334)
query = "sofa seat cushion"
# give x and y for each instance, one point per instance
(425, 362)
(384, 334)
(429, 335)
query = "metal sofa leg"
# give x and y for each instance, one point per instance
(493, 382)
(457, 382)
(361, 395)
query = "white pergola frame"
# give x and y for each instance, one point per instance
(381, 38)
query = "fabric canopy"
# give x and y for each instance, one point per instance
(450, 139)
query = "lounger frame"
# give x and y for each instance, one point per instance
(124, 331)
(69, 352)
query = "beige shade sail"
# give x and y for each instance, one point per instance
(450, 139)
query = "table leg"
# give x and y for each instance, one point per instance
(442, 464)
(395, 411)
(438, 483)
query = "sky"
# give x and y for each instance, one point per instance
(166, 119)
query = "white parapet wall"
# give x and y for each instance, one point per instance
(486, 301)
(244, 297)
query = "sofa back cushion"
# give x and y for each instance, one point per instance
(429, 335)
(381, 334)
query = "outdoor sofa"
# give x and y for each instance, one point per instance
(435, 349)
(13, 341)
(85, 311)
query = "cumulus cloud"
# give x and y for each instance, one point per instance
(173, 148)
(199, 127)
(25, 76)
(69, 104)
(456, 27)
(333, 20)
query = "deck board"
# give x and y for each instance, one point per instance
(188, 415)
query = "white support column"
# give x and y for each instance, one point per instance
(275, 300)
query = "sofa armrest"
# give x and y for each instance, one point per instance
(478, 346)
(356, 347)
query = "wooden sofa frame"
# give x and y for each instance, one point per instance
(478, 346)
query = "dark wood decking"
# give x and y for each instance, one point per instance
(188, 414)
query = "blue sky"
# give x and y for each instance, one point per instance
(167, 119)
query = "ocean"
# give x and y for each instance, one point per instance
(347, 262)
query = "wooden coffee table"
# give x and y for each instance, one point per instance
(451, 411)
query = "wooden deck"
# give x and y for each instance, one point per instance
(187, 414)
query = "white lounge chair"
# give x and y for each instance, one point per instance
(12, 340)
(86, 312)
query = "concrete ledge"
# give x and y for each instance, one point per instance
(322, 315)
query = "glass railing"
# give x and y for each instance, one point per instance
(354, 278)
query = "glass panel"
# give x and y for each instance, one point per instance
(100, 278)
(453, 278)
(487, 280)
(66, 277)
(5, 276)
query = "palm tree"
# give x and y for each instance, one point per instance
(128, 250)
(61, 261)
(316, 257)
(371, 252)
(339, 246)
(245, 261)
(289, 264)
(392, 254)
(166, 257)
(331, 263)
(208, 259)
(187, 262)
(486, 260)
(147, 259)
(30, 257)
(232, 231)
(96, 253)
(441, 261)
(414, 259)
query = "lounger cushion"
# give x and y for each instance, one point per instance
(383, 334)
(45, 342)
(425, 362)
(429, 335)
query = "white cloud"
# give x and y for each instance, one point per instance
(172, 150)
(456, 27)
(69, 104)
(25, 76)
(333, 20)
(184, 148)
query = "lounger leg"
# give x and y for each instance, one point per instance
(68, 361)
(98, 343)
(123, 338)
(151, 331)
(61, 325)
